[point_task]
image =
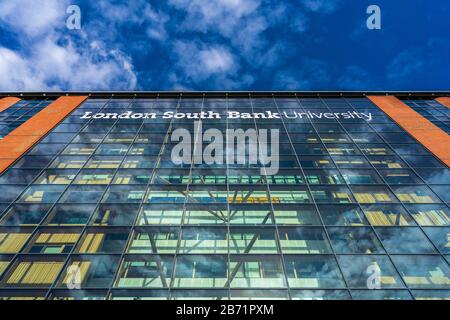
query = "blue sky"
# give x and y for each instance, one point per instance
(224, 45)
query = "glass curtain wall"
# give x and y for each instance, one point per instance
(102, 199)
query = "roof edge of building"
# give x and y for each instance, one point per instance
(218, 94)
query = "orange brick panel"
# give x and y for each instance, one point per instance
(19, 141)
(44, 121)
(5, 163)
(425, 132)
(445, 101)
(5, 103)
(13, 146)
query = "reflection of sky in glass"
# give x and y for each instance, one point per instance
(309, 232)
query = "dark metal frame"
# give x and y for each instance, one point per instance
(229, 94)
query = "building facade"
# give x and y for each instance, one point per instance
(92, 205)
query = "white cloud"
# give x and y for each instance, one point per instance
(33, 17)
(323, 6)
(216, 60)
(16, 73)
(244, 24)
(55, 67)
(223, 16)
(199, 62)
(241, 22)
(202, 64)
(133, 13)
(229, 35)
(54, 58)
(157, 24)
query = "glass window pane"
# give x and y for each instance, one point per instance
(132, 177)
(423, 161)
(4, 263)
(358, 269)
(442, 192)
(289, 196)
(154, 241)
(33, 273)
(69, 215)
(56, 177)
(305, 240)
(400, 177)
(145, 272)
(115, 215)
(104, 162)
(62, 294)
(112, 241)
(430, 215)
(440, 238)
(53, 242)
(94, 177)
(422, 272)
(434, 176)
(354, 240)
(404, 240)
(92, 271)
(124, 194)
(154, 215)
(375, 194)
(205, 215)
(296, 215)
(342, 215)
(415, 194)
(42, 194)
(253, 240)
(361, 177)
(387, 215)
(82, 194)
(320, 295)
(307, 271)
(24, 215)
(265, 294)
(69, 162)
(248, 216)
(381, 295)
(332, 194)
(18, 176)
(323, 177)
(256, 271)
(11, 241)
(195, 271)
(431, 294)
(387, 162)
